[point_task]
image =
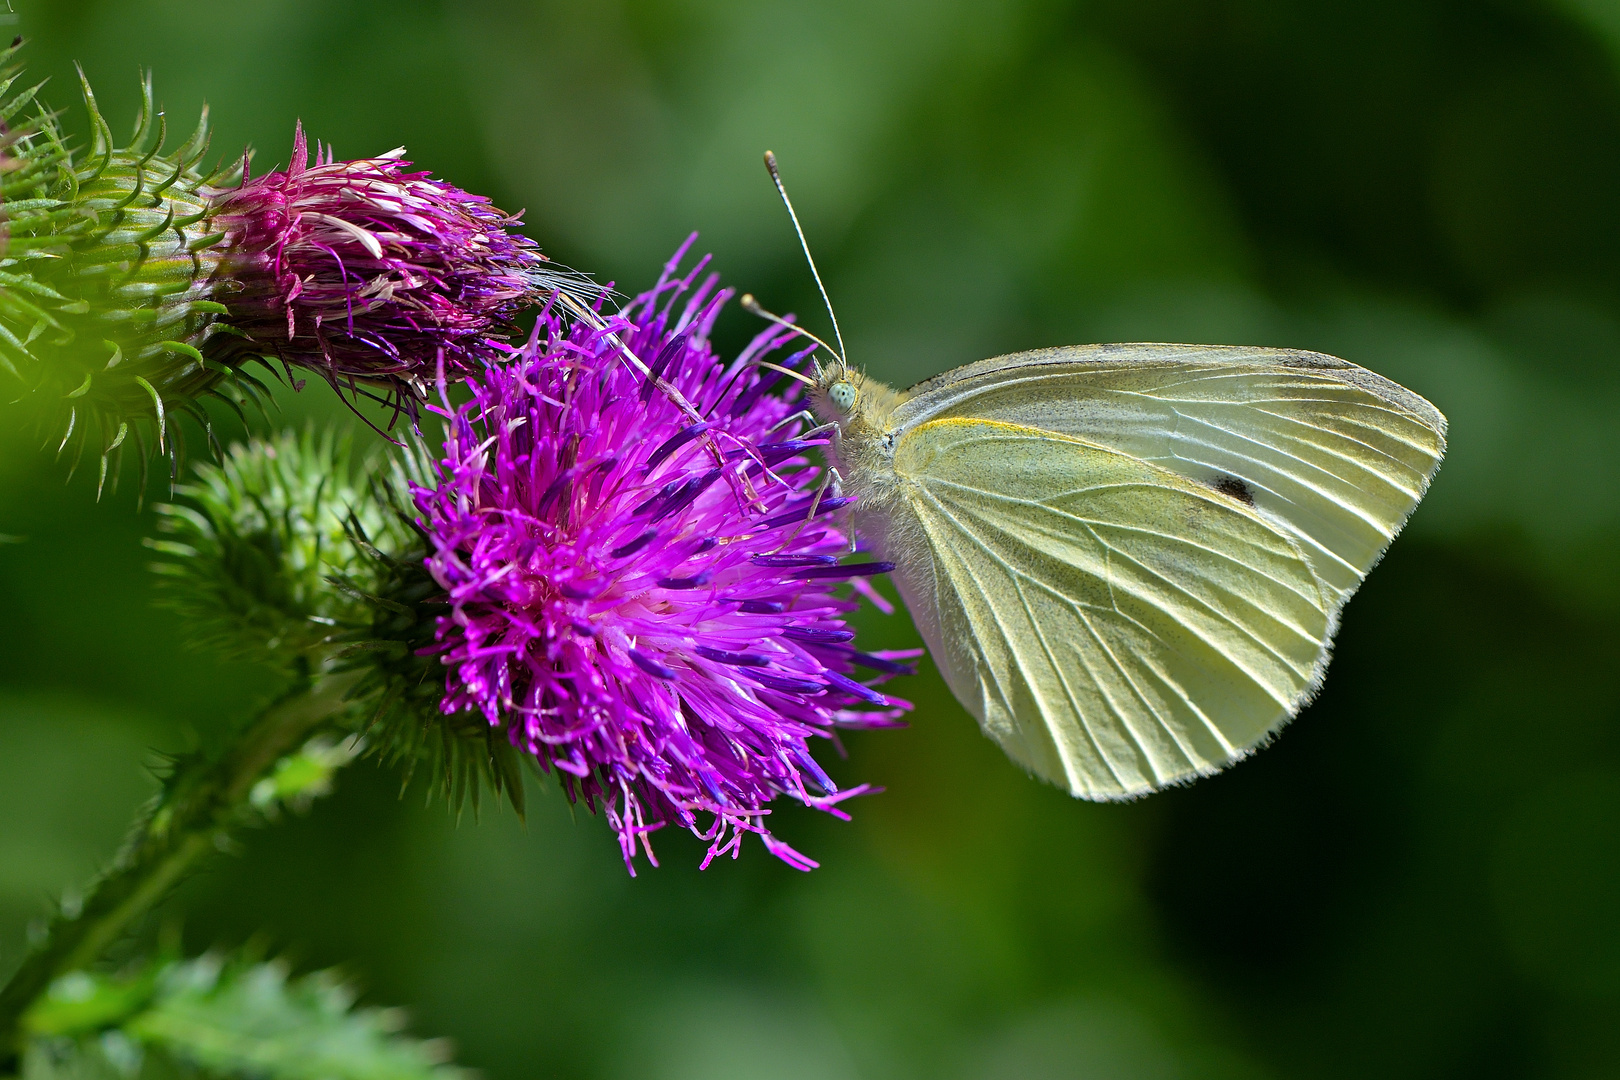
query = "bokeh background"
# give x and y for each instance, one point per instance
(1420, 879)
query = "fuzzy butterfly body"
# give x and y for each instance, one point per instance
(1128, 561)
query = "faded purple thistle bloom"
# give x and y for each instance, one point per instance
(640, 596)
(368, 273)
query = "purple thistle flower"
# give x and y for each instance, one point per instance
(638, 594)
(366, 272)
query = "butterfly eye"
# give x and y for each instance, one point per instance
(843, 396)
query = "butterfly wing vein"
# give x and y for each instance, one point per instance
(1115, 627)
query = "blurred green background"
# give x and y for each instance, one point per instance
(1420, 879)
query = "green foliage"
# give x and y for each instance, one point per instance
(107, 289)
(213, 1017)
(255, 544)
(299, 779)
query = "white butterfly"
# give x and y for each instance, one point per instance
(1128, 561)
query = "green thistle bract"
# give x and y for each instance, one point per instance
(106, 284)
(260, 556)
(459, 756)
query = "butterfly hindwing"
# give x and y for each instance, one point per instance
(1114, 625)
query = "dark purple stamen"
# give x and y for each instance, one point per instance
(635, 545)
(794, 560)
(674, 443)
(801, 514)
(576, 592)
(778, 452)
(651, 666)
(750, 397)
(786, 683)
(652, 503)
(848, 685)
(695, 582)
(712, 786)
(674, 347)
(878, 663)
(687, 492)
(721, 656)
(816, 635)
(850, 570)
(555, 489)
(817, 775)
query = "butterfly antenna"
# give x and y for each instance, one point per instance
(781, 189)
(751, 305)
(807, 380)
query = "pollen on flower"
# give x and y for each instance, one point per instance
(371, 274)
(644, 579)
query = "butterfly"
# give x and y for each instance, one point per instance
(1127, 561)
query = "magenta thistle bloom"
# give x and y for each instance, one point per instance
(640, 597)
(364, 271)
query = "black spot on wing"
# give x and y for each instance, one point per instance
(1232, 486)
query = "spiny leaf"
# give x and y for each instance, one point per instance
(222, 1018)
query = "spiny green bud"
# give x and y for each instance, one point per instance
(107, 285)
(260, 558)
(282, 554)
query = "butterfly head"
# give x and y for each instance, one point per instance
(834, 381)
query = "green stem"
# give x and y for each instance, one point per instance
(203, 799)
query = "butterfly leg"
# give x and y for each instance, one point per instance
(829, 481)
(803, 414)
(849, 512)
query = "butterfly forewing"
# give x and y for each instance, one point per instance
(1114, 625)
(1333, 453)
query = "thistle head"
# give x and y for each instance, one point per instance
(645, 577)
(370, 274)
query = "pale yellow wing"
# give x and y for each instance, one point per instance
(1114, 625)
(1330, 452)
